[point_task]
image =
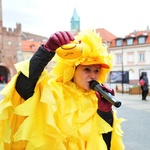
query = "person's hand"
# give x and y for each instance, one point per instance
(103, 104)
(58, 39)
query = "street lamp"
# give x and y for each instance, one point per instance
(122, 70)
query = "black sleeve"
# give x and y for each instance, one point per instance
(108, 117)
(24, 85)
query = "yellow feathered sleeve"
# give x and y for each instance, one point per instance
(16, 114)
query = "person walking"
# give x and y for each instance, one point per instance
(144, 82)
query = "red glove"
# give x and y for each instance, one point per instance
(58, 39)
(103, 104)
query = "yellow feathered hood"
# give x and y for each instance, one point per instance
(92, 50)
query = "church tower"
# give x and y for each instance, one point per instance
(75, 22)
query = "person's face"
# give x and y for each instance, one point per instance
(84, 74)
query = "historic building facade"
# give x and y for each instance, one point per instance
(131, 53)
(10, 46)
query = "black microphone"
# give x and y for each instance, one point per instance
(94, 85)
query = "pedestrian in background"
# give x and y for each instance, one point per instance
(144, 85)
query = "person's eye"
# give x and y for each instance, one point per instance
(87, 69)
(96, 71)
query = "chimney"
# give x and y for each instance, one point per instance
(147, 28)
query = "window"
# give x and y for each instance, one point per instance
(141, 57)
(118, 58)
(32, 47)
(131, 74)
(9, 43)
(141, 40)
(129, 41)
(119, 42)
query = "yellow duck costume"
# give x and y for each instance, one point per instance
(59, 115)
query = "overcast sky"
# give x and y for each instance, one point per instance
(43, 17)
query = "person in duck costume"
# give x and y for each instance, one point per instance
(58, 110)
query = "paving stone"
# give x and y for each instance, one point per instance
(137, 125)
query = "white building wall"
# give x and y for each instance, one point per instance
(135, 67)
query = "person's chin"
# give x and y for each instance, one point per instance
(87, 89)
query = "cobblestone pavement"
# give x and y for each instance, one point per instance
(137, 125)
(1, 87)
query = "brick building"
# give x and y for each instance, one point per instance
(10, 45)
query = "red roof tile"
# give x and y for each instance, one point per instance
(134, 35)
(106, 35)
(30, 46)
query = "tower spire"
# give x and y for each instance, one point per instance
(75, 21)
